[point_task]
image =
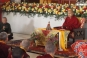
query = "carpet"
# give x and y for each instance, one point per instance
(40, 50)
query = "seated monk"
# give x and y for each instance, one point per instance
(17, 52)
(5, 27)
(71, 22)
(25, 46)
(4, 49)
(50, 49)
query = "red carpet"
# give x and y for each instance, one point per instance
(40, 50)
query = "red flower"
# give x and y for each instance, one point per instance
(40, 6)
(77, 7)
(16, 4)
(27, 6)
(47, 6)
(67, 8)
(85, 8)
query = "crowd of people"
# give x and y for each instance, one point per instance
(20, 51)
(71, 22)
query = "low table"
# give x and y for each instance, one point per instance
(62, 37)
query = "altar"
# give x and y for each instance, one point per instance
(58, 37)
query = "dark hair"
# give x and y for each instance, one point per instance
(17, 52)
(3, 36)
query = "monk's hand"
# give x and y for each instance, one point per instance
(3, 27)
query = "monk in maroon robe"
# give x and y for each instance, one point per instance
(25, 46)
(4, 49)
(50, 49)
(25, 55)
(71, 22)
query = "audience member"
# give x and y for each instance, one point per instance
(24, 45)
(71, 21)
(4, 48)
(17, 52)
(5, 27)
(50, 49)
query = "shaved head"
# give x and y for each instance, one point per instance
(50, 47)
(70, 12)
(25, 44)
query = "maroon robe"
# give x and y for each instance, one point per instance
(45, 56)
(71, 23)
(25, 55)
(4, 50)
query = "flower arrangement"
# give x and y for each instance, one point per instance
(44, 9)
(36, 35)
(53, 36)
(39, 36)
(54, 39)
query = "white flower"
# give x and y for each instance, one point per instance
(21, 10)
(61, 13)
(83, 10)
(78, 13)
(49, 4)
(46, 12)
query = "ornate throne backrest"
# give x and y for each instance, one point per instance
(80, 32)
(82, 21)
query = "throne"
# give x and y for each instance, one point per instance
(80, 32)
(77, 33)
